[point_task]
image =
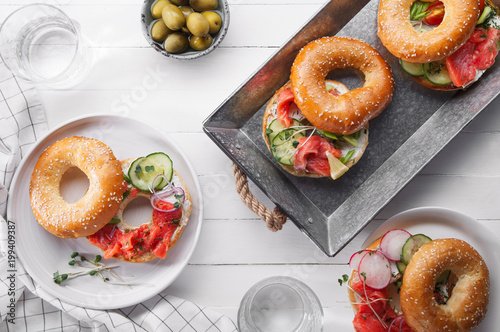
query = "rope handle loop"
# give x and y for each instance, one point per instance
(274, 220)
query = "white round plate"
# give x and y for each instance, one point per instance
(436, 223)
(42, 253)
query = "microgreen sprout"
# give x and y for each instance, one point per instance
(90, 267)
(345, 279)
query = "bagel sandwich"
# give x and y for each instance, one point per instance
(303, 149)
(436, 285)
(170, 211)
(443, 45)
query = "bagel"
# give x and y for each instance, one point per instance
(466, 307)
(414, 306)
(270, 115)
(349, 112)
(396, 31)
(102, 199)
(139, 244)
(445, 46)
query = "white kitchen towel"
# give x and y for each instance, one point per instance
(24, 305)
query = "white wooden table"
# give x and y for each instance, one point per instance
(236, 249)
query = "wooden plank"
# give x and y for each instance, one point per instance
(256, 25)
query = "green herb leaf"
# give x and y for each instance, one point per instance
(138, 169)
(126, 193)
(347, 157)
(350, 139)
(114, 221)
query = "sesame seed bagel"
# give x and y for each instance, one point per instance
(349, 112)
(403, 41)
(99, 204)
(466, 307)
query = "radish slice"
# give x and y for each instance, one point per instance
(395, 274)
(356, 258)
(377, 270)
(392, 243)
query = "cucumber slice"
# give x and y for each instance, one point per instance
(443, 277)
(144, 170)
(413, 69)
(437, 73)
(276, 126)
(412, 245)
(283, 146)
(401, 267)
(162, 160)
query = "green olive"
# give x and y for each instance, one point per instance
(200, 43)
(180, 2)
(197, 24)
(176, 42)
(157, 8)
(186, 10)
(214, 21)
(203, 5)
(173, 17)
(159, 31)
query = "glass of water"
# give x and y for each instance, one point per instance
(280, 304)
(40, 44)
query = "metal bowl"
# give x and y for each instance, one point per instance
(147, 21)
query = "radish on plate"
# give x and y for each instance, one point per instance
(392, 243)
(375, 270)
(356, 258)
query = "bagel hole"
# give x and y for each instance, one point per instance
(352, 78)
(138, 211)
(74, 184)
(444, 290)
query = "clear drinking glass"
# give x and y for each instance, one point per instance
(280, 304)
(40, 44)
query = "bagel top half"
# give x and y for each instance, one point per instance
(396, 31)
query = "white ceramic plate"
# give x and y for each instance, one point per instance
(42, 253)
(437, 223)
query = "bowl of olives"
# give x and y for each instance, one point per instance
(185, 29)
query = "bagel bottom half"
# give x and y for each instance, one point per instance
(270, 115)
(99, 239)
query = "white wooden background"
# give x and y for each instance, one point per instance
(235, 249)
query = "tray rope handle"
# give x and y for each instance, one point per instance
(274, 220)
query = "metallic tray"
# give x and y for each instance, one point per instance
(403, 139)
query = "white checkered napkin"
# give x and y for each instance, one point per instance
(22, 123)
